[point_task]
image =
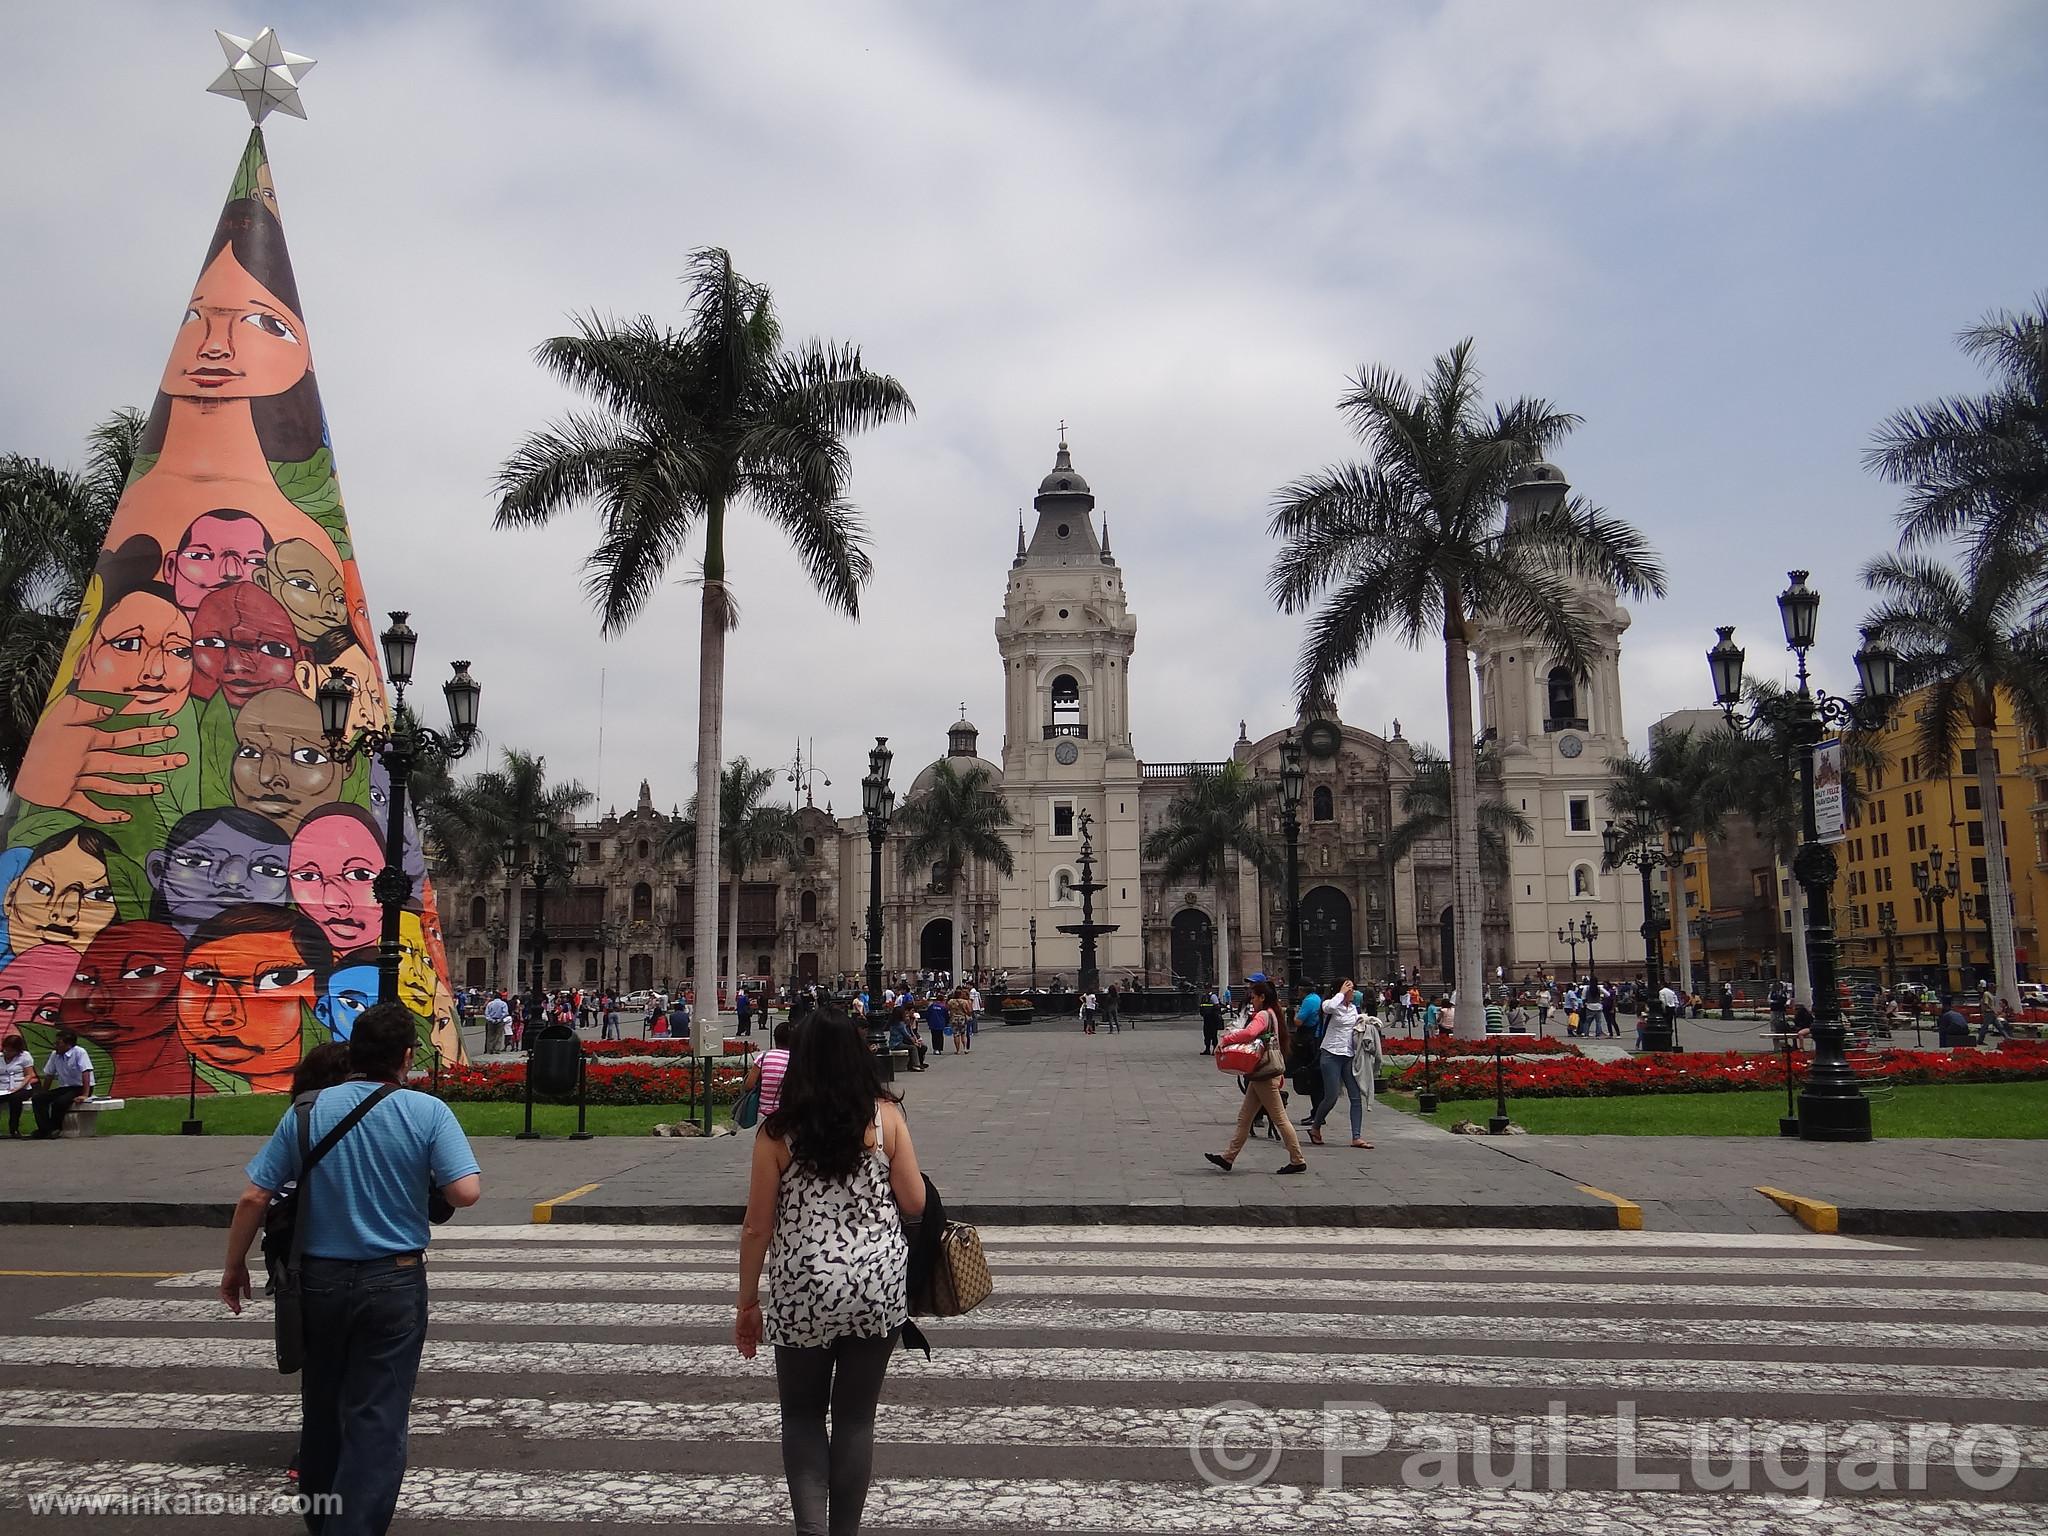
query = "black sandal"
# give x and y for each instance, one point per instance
(1219, 1160)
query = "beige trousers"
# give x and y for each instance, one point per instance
(1263, 1094)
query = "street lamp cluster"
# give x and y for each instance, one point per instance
(1572, 935)
(401, 746)
(1831, 1106)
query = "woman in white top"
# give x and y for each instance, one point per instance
(835, 1182)
(1343, 1026)
(17, 1080)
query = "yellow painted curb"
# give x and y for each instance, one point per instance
(544, 1211)
(1628, 1216)
(1814, 1215)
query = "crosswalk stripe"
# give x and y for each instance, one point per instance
(1040, 1504)
(1015, 1424)
(1265, 1238)
(1599, 1295)
(1674, 1332)
(1661, 1373)
(1602, 1263)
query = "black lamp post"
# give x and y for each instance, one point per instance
(1034, 954)
(879, 801)
(1291, 783)
(1933, 889)
(1831, 1105)
(1888, 927)
(555, 855)
(1641, 844)
(1568, 936)
(404, 744)
(1588, 932)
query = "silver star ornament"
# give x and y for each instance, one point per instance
(262, 74)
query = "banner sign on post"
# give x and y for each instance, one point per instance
(1827, 791)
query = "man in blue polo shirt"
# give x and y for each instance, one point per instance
(364, 1281)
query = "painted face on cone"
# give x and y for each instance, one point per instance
(335, 859)
(32, 986)
(61, 897)
(415, 968)
(126, 986)
(282, 768)
(242, 643)
(239, 1002)
(216, 859)
(141, 648)
(238, 339)
(352, 989)
(219, 549)
(308, 585)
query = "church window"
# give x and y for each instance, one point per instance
(641, 848)
(1563, 691)
(810, 847)
(476, 912)
(807, 907)
(1063, 818)
(1581, 813)
(1325, 807)
(1063, 613)
(643, 902)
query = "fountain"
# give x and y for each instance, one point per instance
(1088, 930)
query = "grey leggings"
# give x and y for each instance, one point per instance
(830, 1472)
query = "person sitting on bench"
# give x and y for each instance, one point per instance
(67, 1079)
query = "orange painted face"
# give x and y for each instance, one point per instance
(239, 1003)
(142, 648)
(239, 340)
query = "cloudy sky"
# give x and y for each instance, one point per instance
(1731, 236)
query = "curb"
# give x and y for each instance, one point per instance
(1814, 1215)
(1577, 1218)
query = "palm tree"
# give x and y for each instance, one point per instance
(1677, 792)
(749, 833)
(1967, 638)
(959, 819)
(1426, 813)
(1215, 813)
(1976, 466)
(690, 424)
(470, 826)
(1417, 544)
(53, 523)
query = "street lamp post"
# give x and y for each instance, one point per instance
(1589, 931)
(1888, 927)
(1641, 844)
(1291, 783)
(1034, 954)
(879, 801)
(1831, 1106)
(1568, 936)
(1933, 889)
(402, 746)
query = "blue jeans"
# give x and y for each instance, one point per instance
(1340, 1071)
(366, 1322)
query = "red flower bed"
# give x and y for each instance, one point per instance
(609, 1083)
(1513, 1045)
(1722, 1072)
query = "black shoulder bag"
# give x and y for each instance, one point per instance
(284, 1227)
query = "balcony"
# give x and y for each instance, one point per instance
(1053, 732)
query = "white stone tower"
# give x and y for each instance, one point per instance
(1066, 637)
(1556, 733)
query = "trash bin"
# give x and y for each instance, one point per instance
(552, 1061)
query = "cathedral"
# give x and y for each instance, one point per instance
(1069, 767)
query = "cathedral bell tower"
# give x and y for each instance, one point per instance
(1066, 637)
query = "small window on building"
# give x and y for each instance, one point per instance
(807, 907)
(477, 910)
(1973, 798)
(1325, 804)
(642, 848)
(810, 847)
(643, 902)
(1063, 818)
(1581, 813)
(590, 970)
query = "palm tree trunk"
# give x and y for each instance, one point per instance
(1467, 897)
(1222, 931)
(512, 938)
(1997, 888)
(710, 727)
(1681, 921)
(732, 937)
(959, 874)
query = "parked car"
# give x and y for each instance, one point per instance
(644, 998)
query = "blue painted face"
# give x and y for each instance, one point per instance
(349, 991)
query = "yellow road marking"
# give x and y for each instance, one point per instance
(89, 1274)
(1814, 1215)
(1628, 1216)
(544, 1211)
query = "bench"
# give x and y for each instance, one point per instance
(83, 1120)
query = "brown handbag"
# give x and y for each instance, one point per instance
(960, 1279)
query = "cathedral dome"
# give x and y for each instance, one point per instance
(1065, 480)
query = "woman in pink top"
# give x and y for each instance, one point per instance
(768, 1069)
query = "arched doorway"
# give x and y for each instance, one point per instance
(1447, 945)
(1328, 953)
(935, 945)
(1193, 955)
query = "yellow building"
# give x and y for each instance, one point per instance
(1913, 813)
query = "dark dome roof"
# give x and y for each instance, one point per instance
(1064, 480)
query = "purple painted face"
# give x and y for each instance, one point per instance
(233, 862)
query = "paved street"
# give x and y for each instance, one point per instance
(583, 1377)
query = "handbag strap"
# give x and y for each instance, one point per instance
(309, 1155)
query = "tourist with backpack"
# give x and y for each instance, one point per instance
(834, 1204)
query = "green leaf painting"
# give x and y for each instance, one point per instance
(312, 487)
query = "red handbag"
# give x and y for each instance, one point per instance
(1240, 1053)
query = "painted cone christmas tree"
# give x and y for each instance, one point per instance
(191, 867)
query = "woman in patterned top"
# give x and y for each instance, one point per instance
(835, 1182)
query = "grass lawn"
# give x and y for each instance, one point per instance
(258, 1114)
(2003, 1110)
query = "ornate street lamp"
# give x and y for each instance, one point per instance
(1934, 890)
(1641, 844)
(1588, 932)
(1888, 927)
(1034, 954)
(400, 747)
(1291, 782)
(879, 801)
(1568, 936)
(1831, 1106)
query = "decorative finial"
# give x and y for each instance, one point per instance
(1063, 431)
(262, 74)
(1020, 533)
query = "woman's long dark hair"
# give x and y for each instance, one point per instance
(829, 1094)
(1265, 995)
